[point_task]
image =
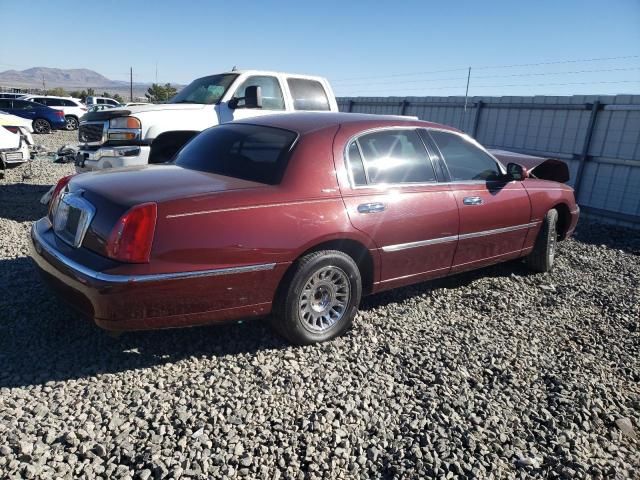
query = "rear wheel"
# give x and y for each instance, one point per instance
(71, 122)
(544, 251)
(40, 125)
(319, 298)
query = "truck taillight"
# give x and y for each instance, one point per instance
(131, 238)
(55, 196)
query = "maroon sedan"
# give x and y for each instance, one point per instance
(296, 216)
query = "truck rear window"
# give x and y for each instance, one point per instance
(250, 152)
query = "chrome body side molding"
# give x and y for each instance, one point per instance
(454, 238)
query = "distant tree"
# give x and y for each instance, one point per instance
(118, 98)
(91, 92)
(57, 92)
(77, 94)
(160, 93)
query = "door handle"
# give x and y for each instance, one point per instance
(371, 207)
(472, 201)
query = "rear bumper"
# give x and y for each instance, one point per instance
(151, 301)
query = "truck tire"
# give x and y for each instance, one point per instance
(318, 298)
(544, 251)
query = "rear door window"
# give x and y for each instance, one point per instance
(23, 105)
(308, 94)
(5, 104)
(250, 152)
(391, 157)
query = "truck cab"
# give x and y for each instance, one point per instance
(153, 133)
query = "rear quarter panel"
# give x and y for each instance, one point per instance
(275, 224)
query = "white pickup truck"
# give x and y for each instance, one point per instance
(137, 135)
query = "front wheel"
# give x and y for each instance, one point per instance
(319, 298)
(40, 125)
(544, 251)
(70, 123)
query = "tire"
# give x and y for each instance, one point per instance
(71, 122)
(544, 251)
(318, 298)
(40, 125)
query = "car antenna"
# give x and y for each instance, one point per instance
(234, 69)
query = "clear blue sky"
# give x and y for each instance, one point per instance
(364, 48)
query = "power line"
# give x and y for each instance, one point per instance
(488, 67)
(600, 70)
(461, 87)
(584, 60)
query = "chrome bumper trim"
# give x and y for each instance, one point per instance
(40, 244)
(96, 155)
(454, 238)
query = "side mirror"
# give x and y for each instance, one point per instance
(516, 172)
(252, 98)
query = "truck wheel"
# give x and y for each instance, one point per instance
(40, 125)
(319, 298)
(544, 251)
(71, 122)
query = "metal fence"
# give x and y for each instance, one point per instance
(597, 136)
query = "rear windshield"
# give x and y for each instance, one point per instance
(249, 152)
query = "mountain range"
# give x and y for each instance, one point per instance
(57, 77)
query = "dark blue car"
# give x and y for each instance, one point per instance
(44, 118)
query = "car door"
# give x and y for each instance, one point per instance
(272, 99)
(392, 194)
(494, 213)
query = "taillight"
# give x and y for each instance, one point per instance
(60, 113)
(55, 196)
(131, 239)
(12, 129)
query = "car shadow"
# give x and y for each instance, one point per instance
(20, 202)
(43, 340)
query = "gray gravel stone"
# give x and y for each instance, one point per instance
(493, 374)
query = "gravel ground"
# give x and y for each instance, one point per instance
(492, 374)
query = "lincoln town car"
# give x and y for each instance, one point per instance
(294, 218)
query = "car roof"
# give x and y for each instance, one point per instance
(307, 122)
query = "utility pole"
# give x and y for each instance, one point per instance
(131, 84)
(44, 87)
(156, 72)
(466, 93)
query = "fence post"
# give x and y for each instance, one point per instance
(403, 106)
(476, 118)
(595, 107)
(351, 102)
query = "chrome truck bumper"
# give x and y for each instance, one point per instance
(112, 157)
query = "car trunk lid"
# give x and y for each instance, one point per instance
(112, 193)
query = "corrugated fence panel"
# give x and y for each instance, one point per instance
(548, 126)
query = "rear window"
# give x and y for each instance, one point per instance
(308, 94)
(250, 152)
